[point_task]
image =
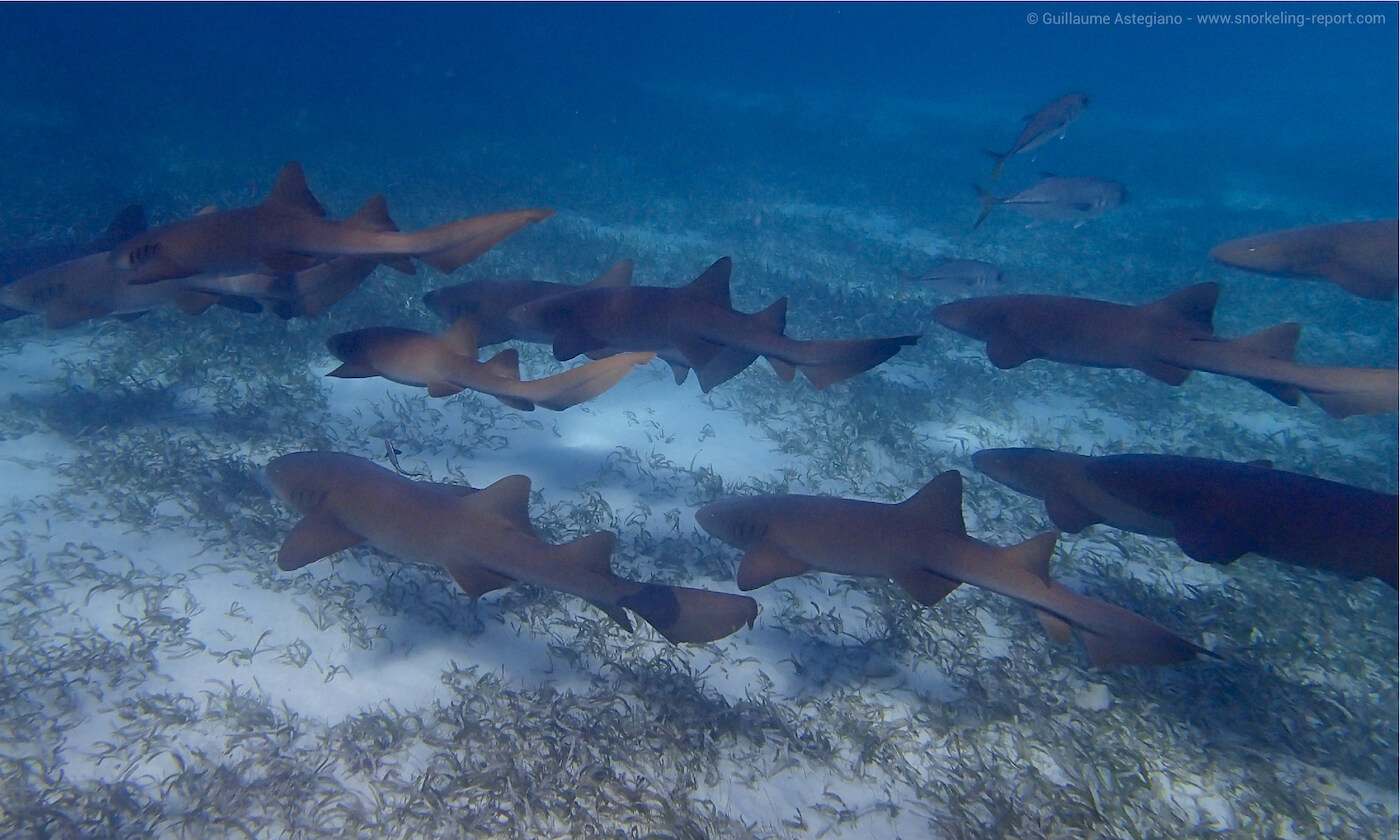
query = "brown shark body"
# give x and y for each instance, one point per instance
(1043, 126)
(1167, 340)
(923, 546)
(22, 262)
(91, 287)
(699, 324)
(447, 364)
(288, 232)
(484, 540)
(488, 303)
(1221, 510)
(1361, 257)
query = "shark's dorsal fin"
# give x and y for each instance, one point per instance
(593, 552)
(713, 283)
(939, 503)
(129, 222)
(510, 497)
(1277, 342)
(291, 195)
(372, 215)
(317, 535)
(476, 581)
(765, 563)
(505, 364)
(462, 336)
(773, 319)
(1033, 555)
(619, 276)
(1194, 303)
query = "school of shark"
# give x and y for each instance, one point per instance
(285, 256)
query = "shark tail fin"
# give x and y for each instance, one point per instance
(862, 355)
(989, 203)
(682, 614)
(470, 238)
(581, 383)
(1343, 404)
(1139, 641)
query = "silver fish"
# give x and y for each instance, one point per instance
(956, 277)
(1059, 199)
(1043, 126)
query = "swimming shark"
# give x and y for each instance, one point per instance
(288, 232)
(91, 287)
(1361, 257)
(483, 539)
(698, 322)
(922, 545)
(1167, 340)
(1042, 127)
(447, 364)
(488, 302)
(21, 262)
(1221, 510)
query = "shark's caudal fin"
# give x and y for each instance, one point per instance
(582, 383)
(470, 238)
(682, 614)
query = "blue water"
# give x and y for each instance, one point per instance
(827, 149)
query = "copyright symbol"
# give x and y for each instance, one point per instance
(1031, 18)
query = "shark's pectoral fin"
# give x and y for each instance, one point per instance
(1164, 372)
(1007, 351)
(442, 388)
(510, 497)
(1209, 542)
(476, 581)
(1068, 514)
(573, 340)
(317, 535)
(765, 563)
(926, 587)
(1055, 627)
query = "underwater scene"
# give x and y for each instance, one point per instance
(699, 421)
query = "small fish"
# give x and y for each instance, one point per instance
(1058, 199)
(1043, 126)
(392, 453)
(956, 277)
